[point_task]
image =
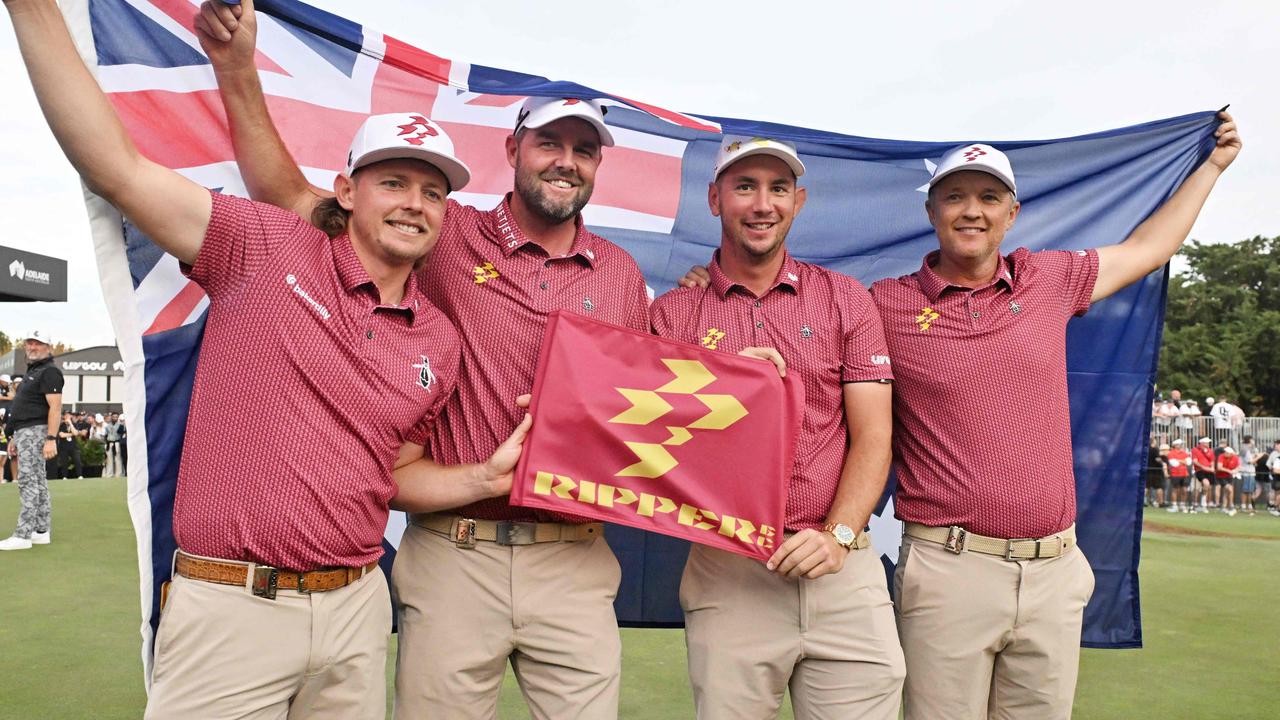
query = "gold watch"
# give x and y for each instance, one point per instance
(844, 535)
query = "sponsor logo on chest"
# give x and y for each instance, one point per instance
(484, 272)
(426, 378)
(295, 286)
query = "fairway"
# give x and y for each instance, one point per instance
(69, 622)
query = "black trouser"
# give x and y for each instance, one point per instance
(69, 456)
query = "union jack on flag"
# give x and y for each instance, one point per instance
(324, 74)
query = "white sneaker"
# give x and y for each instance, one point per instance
(1171, 509)
(40, 538)
(15, 543)
(1231, 512)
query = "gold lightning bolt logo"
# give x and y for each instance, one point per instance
(484, 273)
(926, 318)
(647, 406)
(713, 336)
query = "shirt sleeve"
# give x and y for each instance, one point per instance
(242, 234)
(51, 381)
(661, 324)
(1079, 276)
(638, 306)
(866, 355)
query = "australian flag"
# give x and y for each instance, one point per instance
(324, 74)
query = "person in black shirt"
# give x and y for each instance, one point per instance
(34, 416)
(1157, 473)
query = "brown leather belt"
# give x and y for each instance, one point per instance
(465, 532)
(958, 540)
(266, 579)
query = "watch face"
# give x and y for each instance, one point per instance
(844, 534)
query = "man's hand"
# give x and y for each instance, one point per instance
(810, 554)
(1228, 142)
(767, 353)
(500, 468)
(697, 277)
(50, 450)
(227, 33)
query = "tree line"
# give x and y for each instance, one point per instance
(1222, 325)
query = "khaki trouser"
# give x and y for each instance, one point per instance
(221, 652)
(752, 633)
(463, 613)
(989, 638)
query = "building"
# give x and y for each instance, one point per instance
(94, 377)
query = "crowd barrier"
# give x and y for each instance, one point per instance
(1264, 430)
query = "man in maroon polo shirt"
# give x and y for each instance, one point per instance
(817, 619)
(277, 607)
(990, 625)
(488, 583)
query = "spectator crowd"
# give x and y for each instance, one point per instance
(1201, 461)
(88, 444)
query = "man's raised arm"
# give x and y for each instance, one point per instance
(1152, 243)
(229, 34)
(171, 210)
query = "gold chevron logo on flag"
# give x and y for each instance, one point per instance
(648, 406)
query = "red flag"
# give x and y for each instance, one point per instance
(639, 430)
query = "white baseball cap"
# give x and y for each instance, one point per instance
(1205, 440)
(38, 336)
(406, 135)
(1177, 442)
(1228, 450)
(976, 156)
(539, 111)
(735, 147)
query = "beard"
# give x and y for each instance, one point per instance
(529, 186)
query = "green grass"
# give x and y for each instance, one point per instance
(1261, 524)
(69, 625)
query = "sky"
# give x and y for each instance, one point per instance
(922, 70)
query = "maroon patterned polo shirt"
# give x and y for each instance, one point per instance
(305, 389)
(826, 328)
(982, 426)
(498, 287)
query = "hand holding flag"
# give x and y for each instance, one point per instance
(500, 467)
(228, 33)
(1227, 145)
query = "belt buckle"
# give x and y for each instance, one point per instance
(956, 537)
(265, 578)
(516, 533)
(1008, 548)
(464, 533)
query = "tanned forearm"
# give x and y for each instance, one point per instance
(229, 36)
(426, 486)
(269, 171)
(171, 210)
(1153, 242)
(868, 408)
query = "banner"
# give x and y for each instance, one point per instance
(324, 74)
(659, 435)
